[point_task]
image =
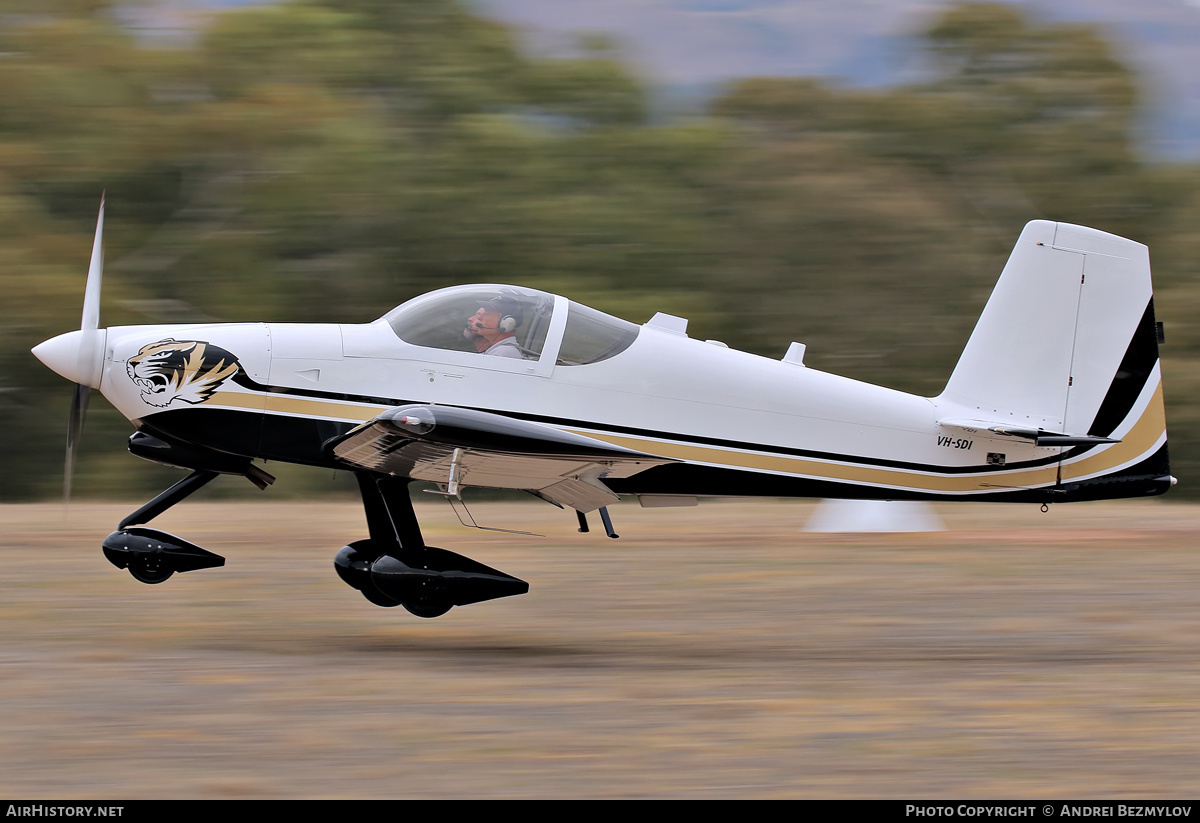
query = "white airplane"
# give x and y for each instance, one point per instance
(1057, 397)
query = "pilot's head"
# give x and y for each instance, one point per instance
(494, 320)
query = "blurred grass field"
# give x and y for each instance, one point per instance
(710, 652)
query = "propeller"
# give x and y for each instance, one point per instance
(90, 344)
(79, 355)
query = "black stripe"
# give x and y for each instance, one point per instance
(243, 380)
(1141, 480)
(675, 437)
(1131, 376)
(771, 450)
(301, 440)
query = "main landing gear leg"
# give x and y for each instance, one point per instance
(153, 556)
(394, 567)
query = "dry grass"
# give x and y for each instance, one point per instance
(711, 652)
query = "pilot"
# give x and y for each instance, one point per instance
(492, 327)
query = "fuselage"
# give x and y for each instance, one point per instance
(737, 423)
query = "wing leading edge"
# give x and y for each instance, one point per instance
(456, 447)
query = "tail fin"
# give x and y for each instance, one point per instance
(1068, 344)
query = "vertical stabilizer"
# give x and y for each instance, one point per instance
(1068, 343)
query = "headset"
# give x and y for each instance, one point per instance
(507, 324)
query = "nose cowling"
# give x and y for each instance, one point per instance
(77, 355)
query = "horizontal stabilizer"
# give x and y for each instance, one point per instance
(1041, 437)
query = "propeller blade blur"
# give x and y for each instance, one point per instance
(79, 404)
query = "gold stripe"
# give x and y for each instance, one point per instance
(1140, 439)
(288, 404)
(1138, 442)
(835, 471)
(238, 400)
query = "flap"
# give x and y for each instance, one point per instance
(458, 447)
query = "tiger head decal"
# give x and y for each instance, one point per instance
(187, 370)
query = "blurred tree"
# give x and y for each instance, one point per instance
(323, 161)
(1014, 120)
(383, 149)
(327, 159)
(1050, 107)
(77, 113)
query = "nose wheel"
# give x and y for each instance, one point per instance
(427, 610)
(150, 571)
(152, 556)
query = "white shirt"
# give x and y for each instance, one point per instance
(507, 347)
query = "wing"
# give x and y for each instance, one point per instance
(457, 447)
